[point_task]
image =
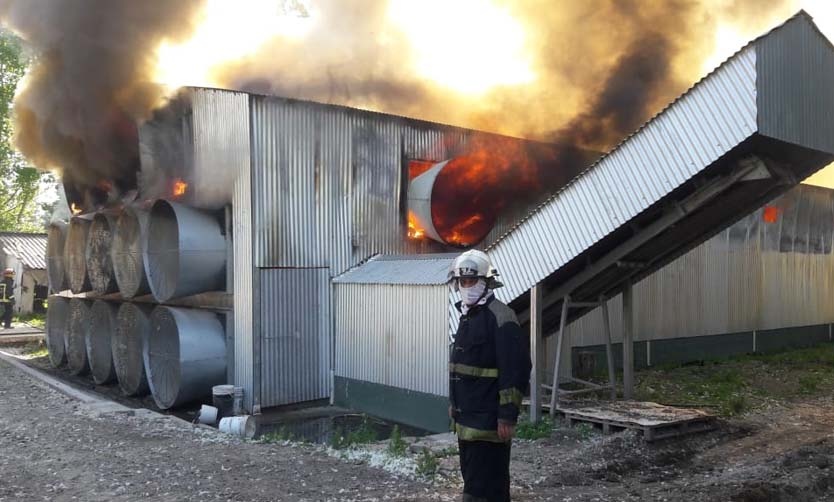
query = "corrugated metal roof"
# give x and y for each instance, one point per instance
(30, 249)
(426, 270)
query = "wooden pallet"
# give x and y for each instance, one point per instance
(654, 421)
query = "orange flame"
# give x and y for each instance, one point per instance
(414, 230)
(180, 188)
(75, 209)
(770, 214)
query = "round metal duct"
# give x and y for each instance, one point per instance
(99, 264)
(439, 204)
(99, 351)
(56, 325)
(55, 270)
(186, 355)
(126, 252)
(128, 346)
(77, 328)
(75, 253)
(185, 251)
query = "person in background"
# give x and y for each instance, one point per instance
(7, 297)
(489, 372)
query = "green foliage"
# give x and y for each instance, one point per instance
(530, 430)
(585, 430)
(32, 319)
(363, 434)
(34, 350)
(20, 183)
(427, 463)
(809, 383)
(396, 445)
(449, 451)
(733, 386)
(279, 436)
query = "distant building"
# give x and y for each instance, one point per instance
(26, 254)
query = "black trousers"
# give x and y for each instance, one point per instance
(8, 311)
(485, 467)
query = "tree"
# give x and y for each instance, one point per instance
(20, 183)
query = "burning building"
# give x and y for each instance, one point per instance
(264, 200)
(246, 207)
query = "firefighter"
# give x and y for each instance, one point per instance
(7, 297)
(489, 372)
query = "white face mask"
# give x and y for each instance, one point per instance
(471, 295)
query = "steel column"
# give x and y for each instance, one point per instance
(609, 353)
(537, 354)
(628, 341)
(554, 391)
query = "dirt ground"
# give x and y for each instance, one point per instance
(55, 448)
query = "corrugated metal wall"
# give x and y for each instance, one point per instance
(393, 335)
(795, 79)
(295, 324)
(755, 275)
(332, 182)
(242, 286)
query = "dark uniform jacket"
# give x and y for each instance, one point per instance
(8, 284)
(489, 371)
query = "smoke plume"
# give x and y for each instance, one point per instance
(88, 85)
(601, 69)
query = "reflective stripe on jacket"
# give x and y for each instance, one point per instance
(489, 371)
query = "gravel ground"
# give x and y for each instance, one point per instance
(53, 447)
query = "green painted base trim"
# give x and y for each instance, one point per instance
(775, 340)
(417, 409)
(591, 359)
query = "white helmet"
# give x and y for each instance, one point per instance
(474, 263)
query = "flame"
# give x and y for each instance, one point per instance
(770, 214)
(179, 188)
(75, 209)
(414, 230)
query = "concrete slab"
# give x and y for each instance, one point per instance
(19, 339)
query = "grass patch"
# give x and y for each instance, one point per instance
(32, 319)
(525, 429)
(585, 430)
(427, 464)
(363, 434)
(34, 350)
(279, 436)
(734, 386)
(397, 446)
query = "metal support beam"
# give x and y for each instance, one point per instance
(674, 214)
(554, 393)
(609, 352)
(537, 353)
(628, 341)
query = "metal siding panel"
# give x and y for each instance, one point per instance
(224, 117)
(733, 284)
(329, 182)
(795, 78)
(219, 118)
(295, 341)
(394, 335)
(639, 176)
